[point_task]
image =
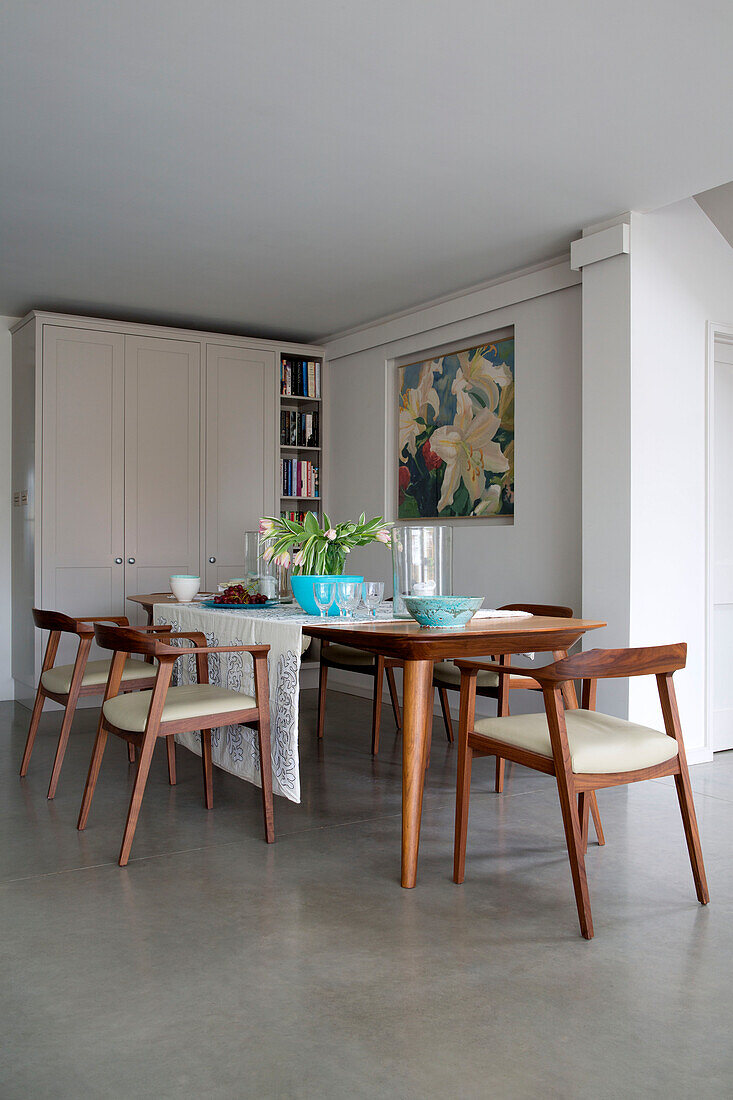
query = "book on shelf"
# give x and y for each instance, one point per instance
(296, 517)
(300, 377)
(299, 478)
(299, 429)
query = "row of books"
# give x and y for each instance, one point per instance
(299, 429)
(300, 377)
(298, 478)
(296, 517)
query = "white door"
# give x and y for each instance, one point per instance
(82, 480)
(162, 485)
(722, 547)
(241, 389)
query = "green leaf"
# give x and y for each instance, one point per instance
(310, 526)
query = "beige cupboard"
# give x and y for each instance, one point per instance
(137, 452)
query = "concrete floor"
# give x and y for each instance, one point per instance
(215, 966)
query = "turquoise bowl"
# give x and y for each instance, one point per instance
(443, 612)
(302, 586)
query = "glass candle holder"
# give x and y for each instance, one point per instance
(422, 563)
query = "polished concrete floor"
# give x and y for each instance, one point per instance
(216, 966)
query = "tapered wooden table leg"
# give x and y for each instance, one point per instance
(418, 697)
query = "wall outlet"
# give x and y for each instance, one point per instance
(16, 500)
(23, 496)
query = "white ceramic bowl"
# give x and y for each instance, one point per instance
(184, 587)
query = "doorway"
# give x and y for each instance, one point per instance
(720, 528)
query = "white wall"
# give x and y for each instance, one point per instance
(6, 688)
(538, 558)
(681, 278)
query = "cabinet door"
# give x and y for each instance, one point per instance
(162, 399)
(240, 450)
(81, 487)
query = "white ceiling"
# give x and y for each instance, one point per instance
(301, 166)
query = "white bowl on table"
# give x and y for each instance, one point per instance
(184, 587)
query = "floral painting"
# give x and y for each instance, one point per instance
(456, 445)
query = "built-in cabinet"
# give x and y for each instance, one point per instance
(138, 452)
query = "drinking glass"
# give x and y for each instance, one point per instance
(323, 594)
(372, 596)
(348, 597)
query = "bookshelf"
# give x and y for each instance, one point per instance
(300, 432)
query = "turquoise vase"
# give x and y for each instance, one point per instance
(302, 587)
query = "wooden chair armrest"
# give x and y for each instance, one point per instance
(162, 629)
(121, 620)
(464, 663)
(255, 650)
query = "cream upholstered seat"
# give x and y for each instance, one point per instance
(449, 673)
(598, 743)
(130, 712)
(58, 679)
(348, 655)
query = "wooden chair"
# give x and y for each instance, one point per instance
(66, 684)
(164, 711)
(583, 749)
(350, 659)
(447, 677)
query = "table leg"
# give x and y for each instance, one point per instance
(417, 707)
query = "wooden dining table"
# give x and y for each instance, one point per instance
(418, 648)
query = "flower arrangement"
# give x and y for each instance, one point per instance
(316, 550)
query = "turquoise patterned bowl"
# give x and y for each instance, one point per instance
(443, 612)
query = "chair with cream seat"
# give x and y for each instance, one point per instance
(583, 749)
(447, 677)
(349, 659)
(164, 711)
(66, 684)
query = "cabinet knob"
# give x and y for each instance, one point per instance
(212, 561)
(118, 561)
(130, 561)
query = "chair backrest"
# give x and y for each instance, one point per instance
(604, 664)
(55, 620)
(552, 611)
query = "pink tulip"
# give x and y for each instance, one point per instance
(283, 559)
(298, 558)
(330, 534)
(383, 536)
(267, 554)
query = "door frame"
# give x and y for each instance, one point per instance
(717, 332)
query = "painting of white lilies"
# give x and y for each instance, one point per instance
(456, 442)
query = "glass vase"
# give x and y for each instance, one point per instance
(422, 563)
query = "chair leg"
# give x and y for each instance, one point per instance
(208, 769)
(170, 748)
(377, 704)
(445, 707)
(71, 700)
(692, 835)
(463, 795)
(392, 685)
(262, 693)
(499, 775)
(32, 730)
(93, 773)
(574, 841)
(138, 790)
(322, 679)
(584, 816)
(131, 752)
(596, 815)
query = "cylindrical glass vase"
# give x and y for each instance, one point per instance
(422, 563)
(252, 554)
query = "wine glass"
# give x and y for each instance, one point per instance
(348, 595)
(372, 596)
(323, 594)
